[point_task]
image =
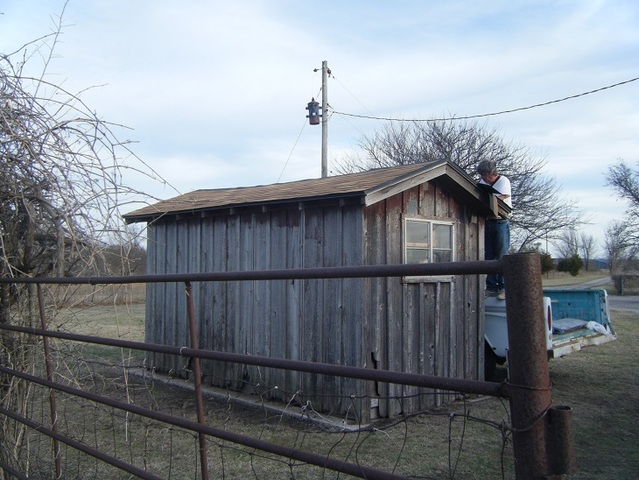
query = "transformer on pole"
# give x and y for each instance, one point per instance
(313, 112)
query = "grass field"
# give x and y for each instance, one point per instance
(600, 384)
(558, 279)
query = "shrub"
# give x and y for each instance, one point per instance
(571, 265)
(547, 264)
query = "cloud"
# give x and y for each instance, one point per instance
(218, 89)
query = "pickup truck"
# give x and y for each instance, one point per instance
(573, 318)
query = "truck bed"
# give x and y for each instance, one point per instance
(575, 339)
(580, 319)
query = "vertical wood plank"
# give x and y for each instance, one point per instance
(169, 335)
(332, 322)
(431, 328)
(375, 305)
(394, 295)
(313, 292)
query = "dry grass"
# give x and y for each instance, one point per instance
(600, 384)
(558, 279)
(112, 321)
(89, 295)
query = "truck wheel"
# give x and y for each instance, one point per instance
(490, 362)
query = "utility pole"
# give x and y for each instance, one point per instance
(314, 115)
(325, 73)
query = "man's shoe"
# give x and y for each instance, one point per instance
(492, 293)
(501, 295)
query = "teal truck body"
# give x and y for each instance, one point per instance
(573, 319)
(580, 318)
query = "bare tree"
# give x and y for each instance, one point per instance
(587, 246)
(625, 182)
(539, 210)
(568, 243)
(616, 245)
(61, 177)
(62, 186)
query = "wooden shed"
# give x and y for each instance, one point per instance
(425, 212)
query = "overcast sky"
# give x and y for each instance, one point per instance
(215, 91)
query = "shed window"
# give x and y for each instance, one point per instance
(427, 241)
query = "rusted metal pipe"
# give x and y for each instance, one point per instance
(560, 441)
(363, 271)
(50, 376)
(353, 469)
(12, 471)
(529, 381)
(197, 380)
(389, 376)
(82, 447)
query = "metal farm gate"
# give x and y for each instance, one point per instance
(541, 431)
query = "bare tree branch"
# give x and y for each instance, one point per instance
(625, 182)
(62, 186)
(539, 210)
(61, 178)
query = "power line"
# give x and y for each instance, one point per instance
(291, 154)
(483, 115)
(351, 94)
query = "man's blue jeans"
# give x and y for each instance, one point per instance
(497, 243)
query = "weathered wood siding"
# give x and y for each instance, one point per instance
(311, 320)
(430, 325)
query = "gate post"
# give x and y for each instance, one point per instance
(197, 380)
(530, 396)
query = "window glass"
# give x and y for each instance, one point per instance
(417, 255)
(442, 256)
(442, 236)
(418, 234)
(427, 241)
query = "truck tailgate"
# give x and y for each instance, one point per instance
(580, 319)
(574, 340)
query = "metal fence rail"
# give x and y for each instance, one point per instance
(538, 426)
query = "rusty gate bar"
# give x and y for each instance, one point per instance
(362, 271)
(530, 396)
(12, 471)
(197, 380)
(389, 376)
(287, 452)
(49, 367)
(138, 472)
(528, 386)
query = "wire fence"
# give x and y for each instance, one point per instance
(90, 406)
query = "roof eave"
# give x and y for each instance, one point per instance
(300, 203)
(381, 192)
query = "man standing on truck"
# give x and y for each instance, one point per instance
(497, 230)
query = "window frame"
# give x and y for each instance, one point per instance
(405, 247)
